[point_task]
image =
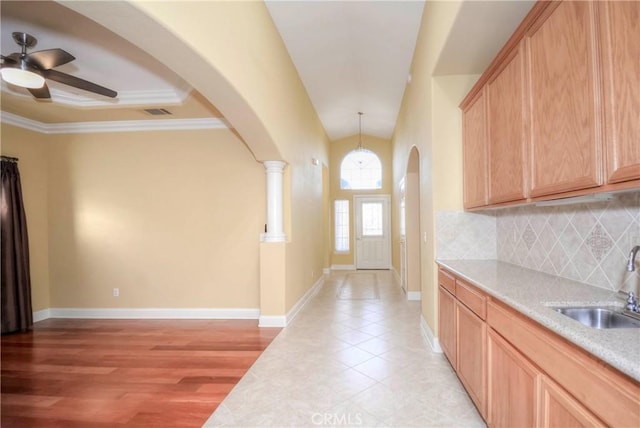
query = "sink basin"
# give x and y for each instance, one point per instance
(600, 317)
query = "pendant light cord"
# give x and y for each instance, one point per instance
(360, 147)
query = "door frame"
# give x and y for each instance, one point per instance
(387, 225)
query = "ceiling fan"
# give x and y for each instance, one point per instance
(30, 70)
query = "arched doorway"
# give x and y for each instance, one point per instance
(412, 226)
(161, 30)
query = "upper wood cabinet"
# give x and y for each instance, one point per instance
(474, 133)
(561, 107)
(564, 106)
(620, 47)
(506, 139)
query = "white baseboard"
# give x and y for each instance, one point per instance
(326, 271)
(284, 320)
(414, 295)
(304, 299)
(272, 321)
(343, 267)
(41, 315)
(155, 313)
(428, 336)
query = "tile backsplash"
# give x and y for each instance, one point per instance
(463, 235)
(587, 242)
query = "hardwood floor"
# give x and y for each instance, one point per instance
(106, 373)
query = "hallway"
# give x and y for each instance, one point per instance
(354, 356)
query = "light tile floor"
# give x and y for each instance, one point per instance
(354, 356)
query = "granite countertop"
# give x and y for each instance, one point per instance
(533, 293)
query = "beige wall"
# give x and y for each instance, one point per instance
(448, 91)
(32, 148)
(241, 42)
(339, 150)
(170, 218)
(232, 53)
(430, 120)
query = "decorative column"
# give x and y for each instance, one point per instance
(273, 252)
(275, 206)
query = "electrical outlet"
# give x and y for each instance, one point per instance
(116, 292)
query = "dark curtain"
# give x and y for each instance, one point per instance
(16, 281)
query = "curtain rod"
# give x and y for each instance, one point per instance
(9, 159)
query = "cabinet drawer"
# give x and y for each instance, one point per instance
(472, 298)
(446, 280)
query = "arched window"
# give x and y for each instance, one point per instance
(361, 170)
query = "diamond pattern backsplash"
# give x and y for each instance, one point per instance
(587, 242)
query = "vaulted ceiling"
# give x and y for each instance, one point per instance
(351, 56)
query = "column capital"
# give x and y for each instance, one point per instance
(274, 166)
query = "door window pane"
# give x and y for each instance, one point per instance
(371, 219)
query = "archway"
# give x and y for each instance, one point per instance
(412, 226)
(217, 73)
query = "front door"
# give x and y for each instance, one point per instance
(373, 237)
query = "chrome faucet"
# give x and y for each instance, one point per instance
(631, 264)
(633, 305)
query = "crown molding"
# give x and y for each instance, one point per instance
(113, 126)
(128, 98)
(125, 98)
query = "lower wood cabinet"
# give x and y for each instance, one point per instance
(447, 324)
(520, 374)
(462, 334)
(559, 409)
(513, 386)
(471, 332)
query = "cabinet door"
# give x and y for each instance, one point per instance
(513, 386)
(447, 324)
(472, 351)
(475, 152)
(564, 111)
(620, 42)
(559, 409)
(506, 140)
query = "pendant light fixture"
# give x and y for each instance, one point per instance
(360, 147)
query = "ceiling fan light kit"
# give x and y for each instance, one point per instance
(31, 70)
(19, 76)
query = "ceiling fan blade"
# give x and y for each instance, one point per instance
(13, 58)
(76, 82)
(42, 93)
(49, 58)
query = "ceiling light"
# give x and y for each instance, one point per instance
(362, 155)
(18, 75)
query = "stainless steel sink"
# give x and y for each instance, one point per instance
(600, 317)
